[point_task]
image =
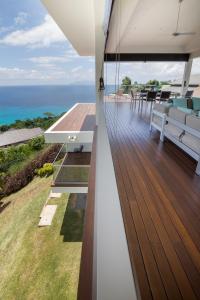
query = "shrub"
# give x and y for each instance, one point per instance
(46, 170)
(25, 149)
(13, 183)
(4, 128)
(37, 143)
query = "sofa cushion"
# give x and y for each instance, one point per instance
(177, 115)
(185, 110)
(181, 102)
(193, 122)
(190, 103)
(192, 142)
(188, 139)
(174, 131)
(196, 103)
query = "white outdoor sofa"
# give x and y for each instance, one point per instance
(181, 128)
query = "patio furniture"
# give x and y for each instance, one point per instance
(188, 94)
(134, 96)
(180, 126)
(151, 97)
(164, 96)
(142, 97)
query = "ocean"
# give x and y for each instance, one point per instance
(27, 102)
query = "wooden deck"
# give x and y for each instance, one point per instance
(81, 118)
(160, 201)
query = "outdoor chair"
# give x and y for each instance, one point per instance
(188, 94)
(151, 97)
(164, 96)
(134, 95)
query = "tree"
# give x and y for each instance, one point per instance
(4, 128)
(153, 82)
(49, 115)
(126, 84)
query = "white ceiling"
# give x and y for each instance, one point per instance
(146, 26)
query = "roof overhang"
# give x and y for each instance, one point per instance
(134, 26)
(76, 18)
(147, 26)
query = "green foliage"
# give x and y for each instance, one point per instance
(164, 83)
(2, 179)
(37, 143)
(126, 84)
(13, 155)
(46, 170)
(49, 114)
(153, 82)
(42, 122)
(4, 128)
(13, 182)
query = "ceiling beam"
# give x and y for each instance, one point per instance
(144, 57)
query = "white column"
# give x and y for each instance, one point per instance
(186, 76)
(112, 273)
(99, 64)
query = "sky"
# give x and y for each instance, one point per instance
(33, 50)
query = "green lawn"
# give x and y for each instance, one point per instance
(39, 263)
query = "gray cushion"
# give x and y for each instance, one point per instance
(188, 139)
(192, 142)
(162, 108)
(193, 122)
(173, 130)
(177, 115)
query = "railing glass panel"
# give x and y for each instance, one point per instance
(70, 174)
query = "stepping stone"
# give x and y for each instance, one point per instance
(54, 195)
(47, 215)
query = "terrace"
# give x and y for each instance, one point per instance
(158, 192)
(74, 130)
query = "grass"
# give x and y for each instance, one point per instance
(39, 263)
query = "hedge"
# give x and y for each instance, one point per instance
(13, 183)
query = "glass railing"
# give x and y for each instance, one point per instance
(70, 174)
(61, 155)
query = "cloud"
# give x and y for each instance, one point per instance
(76, 69)
(196, 66)
(17, 73)
(71, 53)
(9, 76)
(142, 72)
(4, 29)
(49, 59)
(21, 18)
(36, 37)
